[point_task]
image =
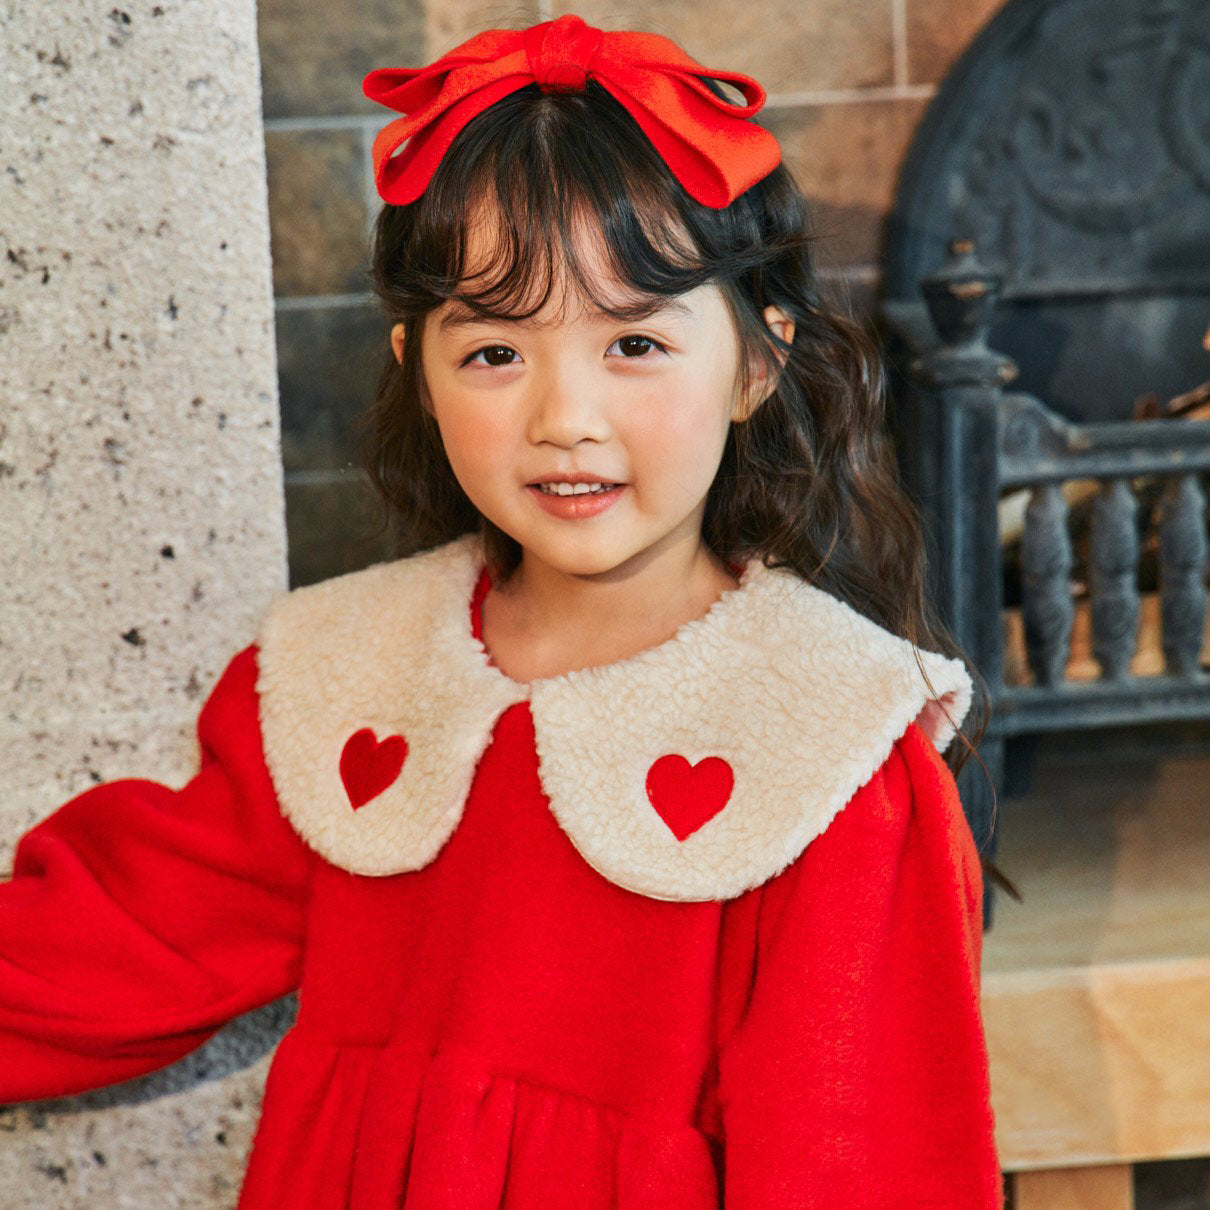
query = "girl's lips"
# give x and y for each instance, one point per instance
(586, 504)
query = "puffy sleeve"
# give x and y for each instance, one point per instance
(139, 918)
(857, 1074)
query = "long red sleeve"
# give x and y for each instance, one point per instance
(139, 919)
(858, 1074)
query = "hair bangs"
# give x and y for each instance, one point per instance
(528, 175)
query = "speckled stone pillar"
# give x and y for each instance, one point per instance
(141, 514)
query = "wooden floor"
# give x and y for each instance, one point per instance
(1096, 989)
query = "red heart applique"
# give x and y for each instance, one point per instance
(686, 796)
(367, 766)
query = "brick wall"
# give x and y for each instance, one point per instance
(847, 83)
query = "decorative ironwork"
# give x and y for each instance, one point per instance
(1046, 561)
(1112, 578)
(1071, 145)
(1077, 146)
(1036, 444)
(965, 441)
(1183, 574)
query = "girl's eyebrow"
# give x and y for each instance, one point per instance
(461, 316)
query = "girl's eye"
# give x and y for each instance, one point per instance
(627, 342)
(642, 340)
(490, 349)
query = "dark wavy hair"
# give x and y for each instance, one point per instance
(807, 482)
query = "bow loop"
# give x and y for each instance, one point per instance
(712, 149)
(753, 93)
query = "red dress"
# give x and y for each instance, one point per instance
(505, 1026)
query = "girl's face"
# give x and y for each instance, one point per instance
(629, 417)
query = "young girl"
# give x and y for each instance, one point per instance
(607, 836)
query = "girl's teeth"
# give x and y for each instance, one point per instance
(573, 489)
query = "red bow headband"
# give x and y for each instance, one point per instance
(705, 140)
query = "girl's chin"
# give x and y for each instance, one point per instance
(579, 556)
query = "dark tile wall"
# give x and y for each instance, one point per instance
(315, 52)
(318, 195)
(846, 156)
(329, 349)
(331, 338)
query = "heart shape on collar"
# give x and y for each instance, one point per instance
(368, 766)
(686, 796)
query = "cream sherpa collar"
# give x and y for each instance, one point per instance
(796, 693)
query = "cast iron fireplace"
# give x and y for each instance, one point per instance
(1047, 287)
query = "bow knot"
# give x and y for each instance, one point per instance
(707, 141)
(559, 53)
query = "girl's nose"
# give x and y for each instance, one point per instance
(566, 410)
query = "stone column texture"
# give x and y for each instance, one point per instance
(141, 518)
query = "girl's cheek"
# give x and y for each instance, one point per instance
(687, 416)
(480, 442)
(456, 426)
(462, 415)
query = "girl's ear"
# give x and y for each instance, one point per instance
(782, 326)
(397, 342)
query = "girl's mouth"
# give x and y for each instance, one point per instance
(573, 489)
(573, 501)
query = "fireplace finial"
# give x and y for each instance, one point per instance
(961, 296)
